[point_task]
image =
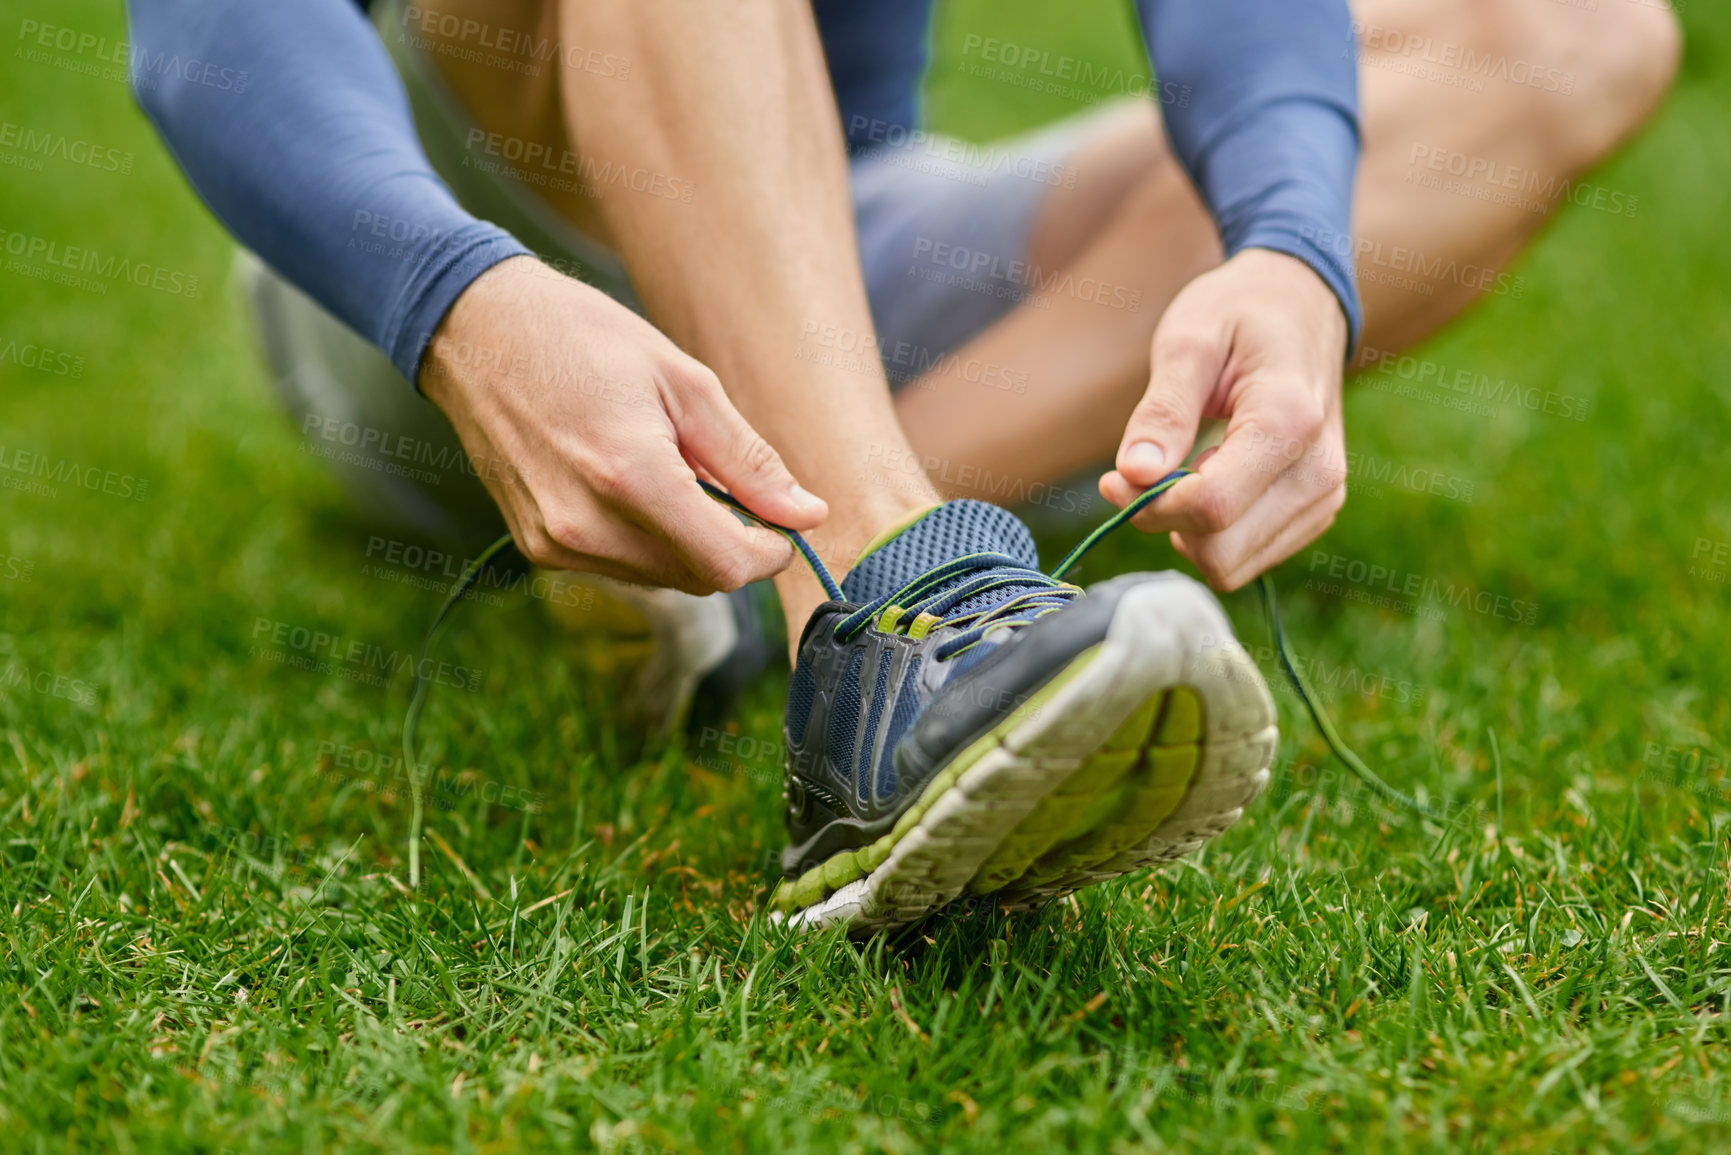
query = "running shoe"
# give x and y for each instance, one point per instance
(960, 723)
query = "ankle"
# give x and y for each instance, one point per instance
(800, 595)
(839, 543)
(850, 532)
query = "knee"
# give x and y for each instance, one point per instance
(1596, 73)
(1629, 51)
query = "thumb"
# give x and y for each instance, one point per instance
(1163, 426)
(713, 435)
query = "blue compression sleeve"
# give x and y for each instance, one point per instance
(1261, 101)
(291, 123)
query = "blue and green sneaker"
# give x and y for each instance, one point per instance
(960, 723)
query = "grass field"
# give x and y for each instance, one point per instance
(206, 944)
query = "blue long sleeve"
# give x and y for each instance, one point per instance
(1261, 101)
(291, 124)
(310, 156)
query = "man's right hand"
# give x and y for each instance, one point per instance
(590, 429)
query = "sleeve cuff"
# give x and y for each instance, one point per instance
(1328, 253)
(438, 277)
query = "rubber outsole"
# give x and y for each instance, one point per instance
(1141, 749)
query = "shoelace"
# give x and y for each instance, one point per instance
(923, 605)
(931, 600)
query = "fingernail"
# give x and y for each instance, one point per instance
(1145, 456)
(803, 496)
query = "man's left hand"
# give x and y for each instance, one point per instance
(1261, 342)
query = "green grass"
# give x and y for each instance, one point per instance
(205, 945)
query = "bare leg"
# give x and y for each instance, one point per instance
(1087, 364)
(738, 237)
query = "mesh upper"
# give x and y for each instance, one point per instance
(844, 716)
(951, 530)
(801, 693)
(947, 532)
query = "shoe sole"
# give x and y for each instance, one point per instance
(1138, 751)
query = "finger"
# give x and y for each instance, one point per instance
(1274, 430)
(1281, 524)
(1310, 525)
(714, 544)
(713, 434)
(1114, 487)
(660, 494)
(579, 535)
(1163, 426)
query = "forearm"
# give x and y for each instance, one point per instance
(315, 164)
(734, 104)
(1261, 101)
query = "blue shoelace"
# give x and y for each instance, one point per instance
(927, 602)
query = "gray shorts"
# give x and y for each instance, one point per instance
(943, 228)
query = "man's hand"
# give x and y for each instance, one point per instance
(1260, 341)
(590, 428)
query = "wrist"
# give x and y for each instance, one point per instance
(466, 337)
(1300, 282)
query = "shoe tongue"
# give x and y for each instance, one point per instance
(946, 532)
